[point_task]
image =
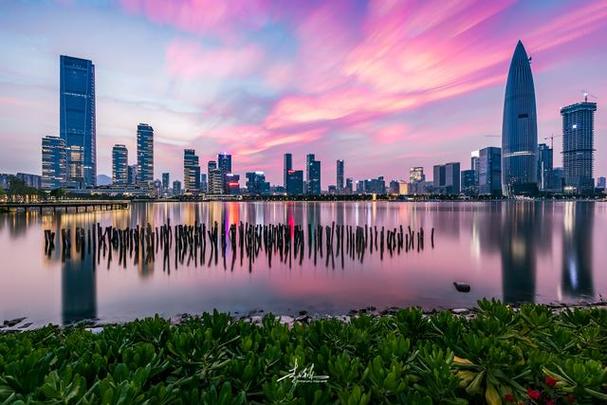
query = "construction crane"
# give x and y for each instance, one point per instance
(586, 95)
(551, 137)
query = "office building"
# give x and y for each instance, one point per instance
(145, 153)
(30, 180)
(348, 189)
(257, 184)
(132, 175)
(601, 183)
(578, 147)
(232, 183)
(468, 182)
(287, 165)
(416, 180)
(372, 186)
(165, 182)
(295, 182)
(176, 188)
(545, 159)
(490, 171)
(204, 185)
(77, 119)
(313, 183)
(519, 128)
(120, 165)
(216, 179)
(340, 176)
(54, 162)
(447, 178)
(475, 165)
(191, 171)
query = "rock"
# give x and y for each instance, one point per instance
(461, 287)
(95, 330)
(25, 325)
(13, 322)
(303, 319)
(460, 311)
(303, 312)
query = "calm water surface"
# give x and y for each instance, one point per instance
(514, 251)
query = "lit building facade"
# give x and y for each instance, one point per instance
(145, 153)
(77, 119)
(490, 171)
(120, 165)
(519, 128)
(54, 162)
(191, 171)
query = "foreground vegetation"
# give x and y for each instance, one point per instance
(530, 356)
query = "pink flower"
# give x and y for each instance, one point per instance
(550, 381)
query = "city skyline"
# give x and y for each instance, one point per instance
(391, 132)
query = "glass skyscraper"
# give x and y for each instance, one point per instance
(191, 171)
(490, 171)
(295, 182)
(312, 175)
(145, 153)
(578, 147)
(77, 119)
(519, 128)
(340, 176)
(287, 165)
(120, 165)
(545, 161)
(54, 162)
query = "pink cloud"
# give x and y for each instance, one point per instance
(201, 16)
(190, 60)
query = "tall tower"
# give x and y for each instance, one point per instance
(191, 171)
(578, 147)
(145, 153)
(340, 176)
(120, 165)
(519, 128)
(77, 119)
(54, 164)
(287, 165)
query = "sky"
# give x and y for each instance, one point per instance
(383, 84)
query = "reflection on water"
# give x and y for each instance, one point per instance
(515, 251)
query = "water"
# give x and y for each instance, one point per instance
(514, 251)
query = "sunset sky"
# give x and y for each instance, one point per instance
(383, 84)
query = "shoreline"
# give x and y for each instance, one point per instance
(255, 316)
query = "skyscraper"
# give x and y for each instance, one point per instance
(120, 165)
(340, 176)
(215, 178)
(204, 185)
(257, 184)
(77, 119)
(313, 184)
(295, 182)
(176, 187)
(145, 153)
(578, 147)
(447, 178)
(54, 162)
(490, 171)
(165, 181)
(545, 160)
(132, 175)
(191, 171)
(287, 165)
(468, 182)
(519, 128)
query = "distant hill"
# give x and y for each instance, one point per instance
(103, 180)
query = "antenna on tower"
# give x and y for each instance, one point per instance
(586, 95)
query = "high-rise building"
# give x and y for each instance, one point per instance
(176, 188)
(204, 184)
(165, 181)
(191, 171)
(54, 162)
(490, 171)
(519, 128)
(468, 182)
(372, 186)
(447, 178)
(340, 176)
(578, 147)
(601, 182)
(287, 165)
(545, 161)
(295, 182)
(145, 153)
(30, 180)
(313, 183)
(120, 165)
(256, 183)
(417, 179)
(77, 123)
(216, 180)
(349, 189)
(475, 163)
(224, 164)
(132, 175)
(394, 187)
(232, 183)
